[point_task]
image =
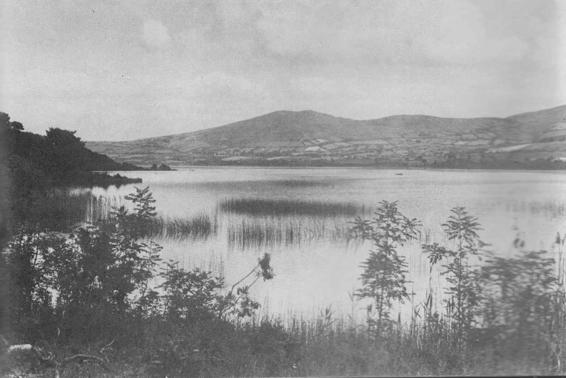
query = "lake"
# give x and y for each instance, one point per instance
(301, 217)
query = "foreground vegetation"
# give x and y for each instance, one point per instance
(98, 300)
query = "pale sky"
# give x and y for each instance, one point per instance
(118, 70)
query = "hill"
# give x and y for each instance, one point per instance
(36, 162)
(529, 140)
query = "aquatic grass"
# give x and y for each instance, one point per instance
(100, 207)
(275, 231)
(550, 209)
(269, 207)
(200, 226)
(62, 210)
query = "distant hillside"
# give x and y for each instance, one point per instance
(529, 140)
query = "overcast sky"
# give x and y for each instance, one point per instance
(117, 70)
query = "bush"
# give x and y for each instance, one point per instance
(70, 291)
(384, 276)
(81, 284)
(463, 279)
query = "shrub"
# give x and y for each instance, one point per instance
(80, 283)
(384, 276)
(462, 278)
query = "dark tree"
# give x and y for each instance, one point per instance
(17, 126)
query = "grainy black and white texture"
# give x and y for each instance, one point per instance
(282, 188)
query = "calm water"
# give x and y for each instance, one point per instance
(315, 264)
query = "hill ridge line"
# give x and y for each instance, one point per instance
(307, 137)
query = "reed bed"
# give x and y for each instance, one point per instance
(100, 207)
(201, 226)
(272, 231)
(268, 207)
(276, 231)
(551, 209)
(61, 210)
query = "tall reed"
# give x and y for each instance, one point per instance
(274, 231)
